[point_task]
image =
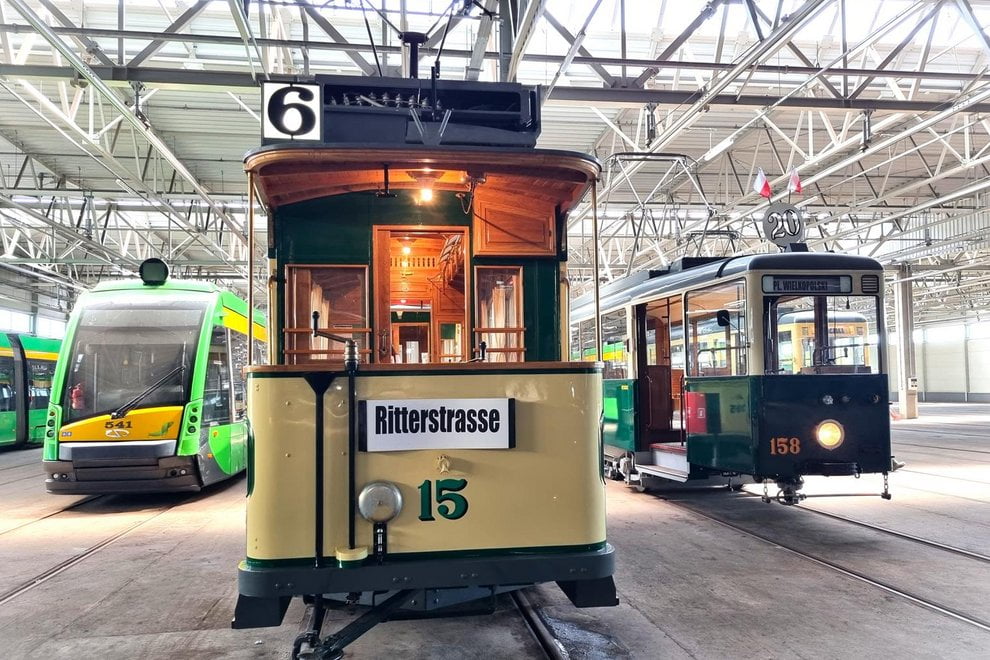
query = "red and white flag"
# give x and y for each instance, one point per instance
(794, 183)
(761, 186)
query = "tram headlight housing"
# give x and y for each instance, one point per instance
(379, 501)
(830, 434)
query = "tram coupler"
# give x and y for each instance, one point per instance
(332, 647)
(788, 494)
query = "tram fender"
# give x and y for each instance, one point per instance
(259, 612)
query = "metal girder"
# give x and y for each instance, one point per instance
(481, 40)
(572, 51)
(602, 72)
(542, 58)
(129, 116)
(334, 34)
(674, 46)
(524, 31)
(178, 24)
(88, 44)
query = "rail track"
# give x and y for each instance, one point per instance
(891, 589)
(68, 563)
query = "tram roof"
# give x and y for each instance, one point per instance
(289, 173)
(649, 284)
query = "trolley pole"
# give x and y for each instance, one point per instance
(594, 273)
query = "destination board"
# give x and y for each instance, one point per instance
(402, 425)
(807, 284)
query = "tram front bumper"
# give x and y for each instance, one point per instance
(122, 474)
(265, 591)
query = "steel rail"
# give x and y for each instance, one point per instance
(551, 646)
(944, 610)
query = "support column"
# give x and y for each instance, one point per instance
(907, 386)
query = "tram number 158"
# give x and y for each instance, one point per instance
(784, 446)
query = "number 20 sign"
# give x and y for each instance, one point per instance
(783, 224)
(291, 111)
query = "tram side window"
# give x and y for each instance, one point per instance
(8, 400)
(40, 386)
(499, 307)
(238, 358)
(713, 349)
(614, 342)
(340, 295)
(216, 393)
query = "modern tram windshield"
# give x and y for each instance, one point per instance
(121, 349)
(833, 334)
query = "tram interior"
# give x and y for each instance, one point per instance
(422, 288)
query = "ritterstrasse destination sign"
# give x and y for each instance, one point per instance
(407, 424)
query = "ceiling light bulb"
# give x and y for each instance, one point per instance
(406, 249)
(426, 194)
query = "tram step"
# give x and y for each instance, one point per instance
(663, 472)
(671, 458)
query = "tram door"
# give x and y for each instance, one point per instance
(420, 302)
(660, 370)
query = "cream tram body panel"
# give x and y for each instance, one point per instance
(515, 498)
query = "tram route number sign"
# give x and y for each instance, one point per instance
(783, 224)
(410, 424)
(291, 111)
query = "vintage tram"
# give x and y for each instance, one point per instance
(419, 437)
(767, 365)
(27, 364)
(149, 393)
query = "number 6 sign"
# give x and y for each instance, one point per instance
(291, 111)
(783, 224)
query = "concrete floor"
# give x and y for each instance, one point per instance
(164, 586)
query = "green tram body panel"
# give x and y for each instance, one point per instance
(301, 237)
(20, 415)
(744, 413)
(209, 452)
(620, 415)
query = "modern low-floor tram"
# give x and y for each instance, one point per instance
(769, 365)
(27, 364)
(149, 393)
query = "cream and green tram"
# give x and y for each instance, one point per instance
(419, 437)
(767, 365)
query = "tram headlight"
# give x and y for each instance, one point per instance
(379, 501)
(829, 434)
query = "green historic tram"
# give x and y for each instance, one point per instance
(768, 365)
(27, 364)
(418, 440)
(149, 390)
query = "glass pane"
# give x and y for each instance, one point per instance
(40, 373)
(499, 312)
(614, 342)
(339, 295)
(122, 348)
(8, 400)
(216, 392)
(823, 334)
(717, 330)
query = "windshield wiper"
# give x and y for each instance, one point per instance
(126, 408)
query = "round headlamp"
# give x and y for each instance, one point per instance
(829, 434)
(379, 501)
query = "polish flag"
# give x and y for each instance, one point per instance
(794, 183)
(761, 186)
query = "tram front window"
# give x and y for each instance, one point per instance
(822, 334)
(120, 350)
